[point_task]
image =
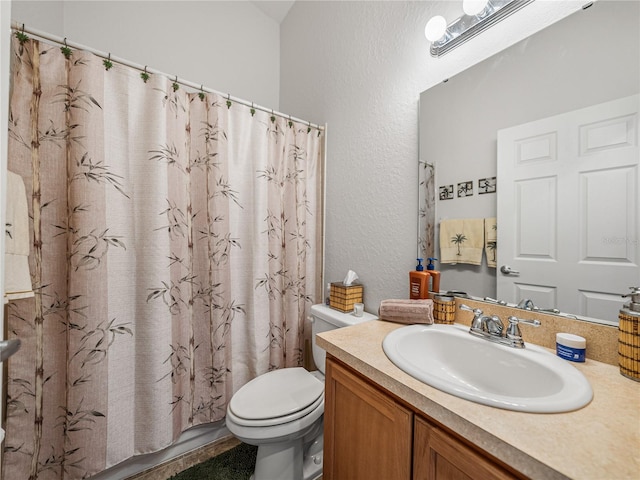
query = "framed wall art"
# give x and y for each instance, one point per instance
(487, 185)
(446, 192)
(465, 189)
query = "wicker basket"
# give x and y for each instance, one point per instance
(629, 344)
(444, 310)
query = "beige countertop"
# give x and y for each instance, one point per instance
(600, 441)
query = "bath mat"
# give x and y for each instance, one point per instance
(235, 464)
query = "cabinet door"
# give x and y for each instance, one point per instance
(438, 455)
(367, 435)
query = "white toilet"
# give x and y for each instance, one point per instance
(281, 411)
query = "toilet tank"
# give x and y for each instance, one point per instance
(324, 318)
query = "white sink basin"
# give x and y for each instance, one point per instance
(527, 379)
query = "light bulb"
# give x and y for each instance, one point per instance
(436, 28)
(474, 7)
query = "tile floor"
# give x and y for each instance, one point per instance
(187, 460)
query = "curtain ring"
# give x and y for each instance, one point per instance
(107, 63)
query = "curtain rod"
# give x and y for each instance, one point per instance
(16, 27)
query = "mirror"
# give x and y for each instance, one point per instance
(587, 58)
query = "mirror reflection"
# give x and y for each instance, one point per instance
(587, 59)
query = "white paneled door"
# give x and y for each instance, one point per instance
(568, 209)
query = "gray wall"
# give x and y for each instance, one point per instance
(356, 66)
(231, 47)
(587, 58)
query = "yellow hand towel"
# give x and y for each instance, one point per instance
(462, 241)
(491, 241)
(17, 279)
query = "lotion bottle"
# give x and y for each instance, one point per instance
(435, 275)
(419, 282)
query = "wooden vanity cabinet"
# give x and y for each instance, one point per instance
(367, 435)
(438, 455)
(370, 435)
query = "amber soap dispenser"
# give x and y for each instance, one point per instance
(419, 282)
(435, 276)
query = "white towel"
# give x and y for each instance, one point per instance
(491, 241)
(17, 279)
(462, 241)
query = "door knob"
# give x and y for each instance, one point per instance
(507, 270)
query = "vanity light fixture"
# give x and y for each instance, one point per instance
(478, 16)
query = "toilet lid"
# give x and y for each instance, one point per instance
(276, 394)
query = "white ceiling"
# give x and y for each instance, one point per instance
(277, 9)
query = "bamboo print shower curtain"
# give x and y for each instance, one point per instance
(176, 250)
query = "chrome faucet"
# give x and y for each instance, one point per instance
(493, 300)
(492, 325)
(526, 304)
(491, 328)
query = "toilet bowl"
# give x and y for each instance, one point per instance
(282, 411)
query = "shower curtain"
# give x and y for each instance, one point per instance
(176, 243)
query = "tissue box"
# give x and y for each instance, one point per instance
(343, 296)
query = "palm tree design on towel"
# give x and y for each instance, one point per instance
(459, 239)
(493, 245)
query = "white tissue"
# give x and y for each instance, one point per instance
(350, 278)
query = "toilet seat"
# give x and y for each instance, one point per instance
(277, 397)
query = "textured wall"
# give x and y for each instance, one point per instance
(355, 68)
(360, 67)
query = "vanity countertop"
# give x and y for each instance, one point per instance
(600, 441)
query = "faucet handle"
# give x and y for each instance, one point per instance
(476, 311)
(513, 331)
(476, 323)
(516, 320)
(549, 310)
(494, 300)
